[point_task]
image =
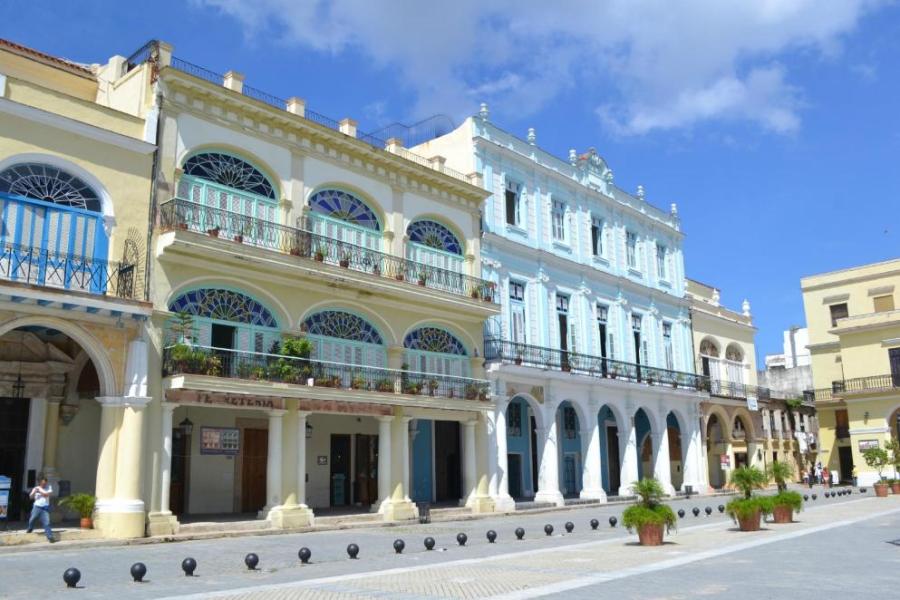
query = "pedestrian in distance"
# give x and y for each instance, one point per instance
(826, 477)
(40, 510)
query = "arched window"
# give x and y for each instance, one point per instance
(228, 319)
(435, 350)
(738, 431)
(49, 184)
(229, 171)
(709, 359)
(734, 363)
(340, 215)
(709, 348)
(341, 336)
(434, 244)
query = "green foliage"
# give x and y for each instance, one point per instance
(878, 459)
(649, 492)
(788, 498)
(794, 403)
(83, 504)
(780, 472)
(298, 347)
(742, 508)
(648, 509)
(893, 447)
(183, 327)
(747, 479)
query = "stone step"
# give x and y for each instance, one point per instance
(351, 519)
(217, 526)
(533, 505)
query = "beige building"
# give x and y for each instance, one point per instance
(854, 339)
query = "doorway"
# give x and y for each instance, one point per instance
(181, 461)
(570, 488)
(447, 462)
(254, 457)
(366, 467)
(612, 452)
(535, 474)
(339, 493)
(894, 357)
(222, 338)
(514, 475)
(740, 460)
(13, 441)
(845, 460)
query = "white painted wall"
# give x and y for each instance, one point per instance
(76, 456)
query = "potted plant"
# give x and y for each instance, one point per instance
(345, 259)
(649, 515)
(358, 382)
(748, 509)
(475, 294)
(785, 502)
(384, 385)
(471, 391)
(213, 232)
(83, 504)
(893, 447)
(432, 386)
(399, 276)
(319, 254)
(878, 459)
(423, 278)
(518, 358)
(488, 294)
(613, 372)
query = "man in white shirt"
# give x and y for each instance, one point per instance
(41, 508)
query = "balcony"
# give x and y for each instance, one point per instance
(842, 432)
(259, 367)
(858, 385)
(584, 364)
(69, 272)
(180, 214)
(738, 391)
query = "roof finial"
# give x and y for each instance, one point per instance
(640, 192)
(483, 111)
(573, 156)
(531, 136)
(745, 307)
(674, 210)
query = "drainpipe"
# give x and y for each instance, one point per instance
(793, 332)
(157, 107)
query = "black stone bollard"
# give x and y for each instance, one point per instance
(680, 513)
(613, 521)
(461, 539)
(595, 523)
(138, 570)
(570, 526)
(491, 536)
(352, 551)
(862, 490)
(429, 543)
(806, 497)
(721, 508)
(520, 533)
(71, 576)
(399, 545)
(189, 565)
(251, 560)
(304, 555)
(708, 510)
(696, 511)
(548, 529)
(814, 496)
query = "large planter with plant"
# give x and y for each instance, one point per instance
(649, 515)
(749, 509)
(784, 505)
(878, 459)
(83, 504)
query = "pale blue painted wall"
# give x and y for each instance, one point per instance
(521, 444)
(422, 452)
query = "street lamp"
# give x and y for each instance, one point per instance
(187, 426)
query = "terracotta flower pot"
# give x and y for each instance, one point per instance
(783, 514)
(881, 490)
(650, 535)
(87, 523)
(750, 523)
(895, 487)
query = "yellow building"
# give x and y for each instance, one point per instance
(854, 340)
(74, 206)
(743, 424)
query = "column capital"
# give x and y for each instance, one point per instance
(302, 414)
(55, 400)
(109, 400)
(406, 419)
(276, 413)
(170, 406)
(385, 418)
(471, 423)
(136, 402)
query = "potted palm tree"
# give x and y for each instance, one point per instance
(83, 504)
(878, 459)
(785, 502)
(747, 509)
(649, 515)
(894, 448)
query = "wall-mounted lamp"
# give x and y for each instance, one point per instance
(187, 426)
(308, 430)
(866, 417)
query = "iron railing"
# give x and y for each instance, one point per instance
(818, 395)
(842, 432)
(41, 267)
(740, 391)
(585, 364)
(857, 385)
(183, 359)
(300, 242)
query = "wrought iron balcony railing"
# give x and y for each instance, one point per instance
(183, 359)
(585, 364)
(842, 432)
(215, 222)
(857, 385)
(739, 391)
(41, 267)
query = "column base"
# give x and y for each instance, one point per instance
(699, 488)
(162, 523)
(598, 494)
(398, 510)
(291, 517)
(553, 497)
(120, 519)
(504, 504)
(482, 504)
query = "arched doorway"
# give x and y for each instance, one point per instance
(716, 447)
(676, 451)
(522, 456)
(644, 436)
(741, 441)
(610, 459)
(570, 459)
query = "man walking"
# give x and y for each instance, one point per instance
(40, 511)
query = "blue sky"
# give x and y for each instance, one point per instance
(772, 123)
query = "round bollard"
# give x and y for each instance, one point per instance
(429, 543)
(721, 508)
(862, 490)
(304, 555)
(251, 560)
(399, 545)
(461, 539)
(696, 511)
(570, 526)
(138, 570)
(806, 497)
(814, 496)
(613, 521)
(491, 536)
(352, 550)
(520, 533)
(595, 523)
(680, 513)
(708, 510)
(189, 565)
(71, 576)
(548, 529)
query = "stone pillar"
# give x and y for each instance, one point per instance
(384, 462)
(548, 468)
(404, 454)
(592, 483)
(695, 466)
(662, 468)
(273, 461)
(301, 458)
(110, 410)
(164, 522)
(629, 451)
(292, 511)
(51, 440)
(397, 505)
(470, 462)
(498, 458)
(482, 501)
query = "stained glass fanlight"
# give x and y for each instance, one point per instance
(224, 305)
(344, 206)
(229, 171)
(433, 235)
(342, 325)
(433, 339)
(48, 183)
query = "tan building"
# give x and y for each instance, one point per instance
(854, 339)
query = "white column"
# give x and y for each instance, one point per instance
(629, 452)
(301, 457)
(695, 465)
(499, 461)
(384, 461)
(548, 469)
(592, 484)
(110, 410)
(165, 463)
(51, 440)
(404, 452)
(273, 462)
(470, 461)
(662, 468)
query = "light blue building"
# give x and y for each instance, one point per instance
(591, 357)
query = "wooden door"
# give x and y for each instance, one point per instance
(365, 480)
(254, 453)
(612, 462)
(514, 466)
(13, 439)
(894, 356)
(340, 470)
(178, 485)
(447, 461)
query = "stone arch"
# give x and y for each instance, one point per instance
(746, 420)
(388, 334)
(442, 221)
(355, 191)
(269, 300)
(89, 344)
(537, 408)
(469, 342)
(721, 414)
(709, 346)
(243, 154)
(734, 352)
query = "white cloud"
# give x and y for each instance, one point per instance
(646, 65)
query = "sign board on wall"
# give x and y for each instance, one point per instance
(5, 484)
(725, 461)
(752, 403)
(867, 444)
(220, 440)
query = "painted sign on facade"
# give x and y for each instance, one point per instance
(725, 461)
(220, 440)
(867, 445)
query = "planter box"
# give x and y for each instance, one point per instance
(750, 523)
(87, 523)
(895, 487)
(783, 514)
(651, 535)
(881, 490)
